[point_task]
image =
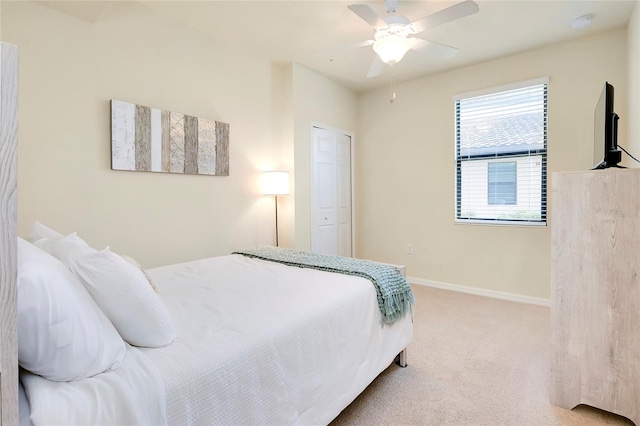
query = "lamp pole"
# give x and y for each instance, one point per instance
(276, 183)
(276, 196)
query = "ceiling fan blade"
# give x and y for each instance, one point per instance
(457, 11)
(433, 48)
(376, 67)
(330, 53)
(368, 15)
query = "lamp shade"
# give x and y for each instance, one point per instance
(275, 183)
(391, 48)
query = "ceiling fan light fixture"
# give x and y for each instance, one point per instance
(391, 49)
(393, 33)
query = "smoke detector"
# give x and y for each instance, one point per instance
(581, 22)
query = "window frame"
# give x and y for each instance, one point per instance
(527, 153)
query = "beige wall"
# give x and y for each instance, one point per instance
(633, 52)
(304, 97)
(404, 170)
(282, 95)
(70, 69)
(319, 100)
(136, 55)
(405, 174)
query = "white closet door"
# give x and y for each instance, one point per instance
(331, 192)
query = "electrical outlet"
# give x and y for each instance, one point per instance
(409, 248)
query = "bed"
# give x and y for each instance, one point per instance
(248, 340)
(258, 342)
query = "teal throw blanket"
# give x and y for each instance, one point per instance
(394, 293)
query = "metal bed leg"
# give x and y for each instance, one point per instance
(401, 359)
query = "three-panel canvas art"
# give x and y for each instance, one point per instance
(152, 140)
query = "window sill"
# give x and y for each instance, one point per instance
(515, 223)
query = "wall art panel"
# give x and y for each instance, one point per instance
(152, 140)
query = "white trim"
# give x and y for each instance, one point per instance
(482, 292)
(503, 88)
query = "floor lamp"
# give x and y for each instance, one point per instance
(276, 183)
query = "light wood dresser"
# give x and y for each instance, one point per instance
(595, 294)
(8, 237)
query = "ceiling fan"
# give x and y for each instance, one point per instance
(393, 35)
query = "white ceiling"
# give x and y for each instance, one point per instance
(301, 30)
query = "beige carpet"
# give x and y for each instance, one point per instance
(473, 361)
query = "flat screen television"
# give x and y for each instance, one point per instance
(605, 138)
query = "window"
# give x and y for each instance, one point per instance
(502, 183)
(501, 155)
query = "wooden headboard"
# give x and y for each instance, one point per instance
(8, 240)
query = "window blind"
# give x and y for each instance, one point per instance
(501, 156)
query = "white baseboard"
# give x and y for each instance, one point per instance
(482, 292)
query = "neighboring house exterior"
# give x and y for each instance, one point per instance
(518, 193)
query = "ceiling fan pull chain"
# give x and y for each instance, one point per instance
(393, 93)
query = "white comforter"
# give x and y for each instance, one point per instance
(263, 343)
(258, 343)
(131, 395)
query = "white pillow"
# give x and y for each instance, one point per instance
(39, 231)
(134, 262)
(62, 334)
(124, 295)
(61, 248)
